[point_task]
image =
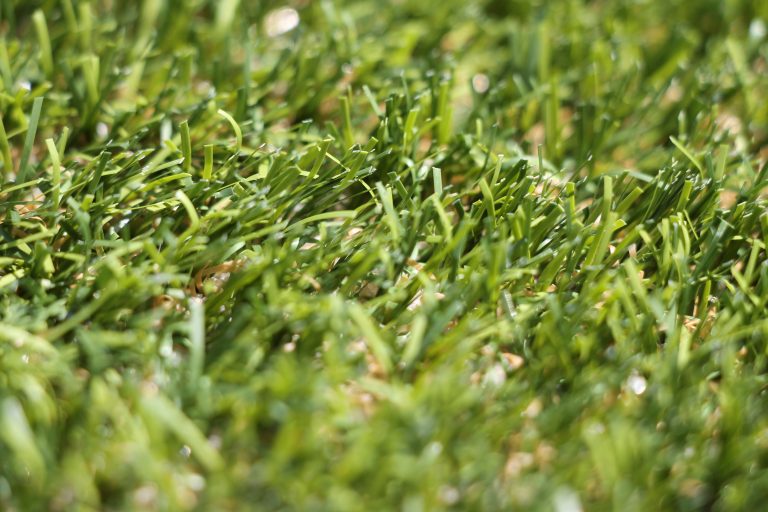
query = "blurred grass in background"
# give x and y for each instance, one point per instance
(358, 255)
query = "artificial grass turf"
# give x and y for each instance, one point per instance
(419, 255)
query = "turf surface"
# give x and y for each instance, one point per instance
(358, 255)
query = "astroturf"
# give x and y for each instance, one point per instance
(417, 255)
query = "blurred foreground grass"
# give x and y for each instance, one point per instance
(359, 255)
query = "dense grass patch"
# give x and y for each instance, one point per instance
(359, 255)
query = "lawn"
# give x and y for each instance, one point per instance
(361, 255)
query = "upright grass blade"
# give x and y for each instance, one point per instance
(599, 246)
(5, 67)
(208, 164)
(55, 172)
(5, 150)
(186, 146)
(29, 140)
(196, 341)
(44, 40)
(346, 127)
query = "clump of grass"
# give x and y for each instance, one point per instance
(350, 256)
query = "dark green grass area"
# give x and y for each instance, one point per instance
(416, 255)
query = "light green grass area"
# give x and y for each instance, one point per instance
(414, 255)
